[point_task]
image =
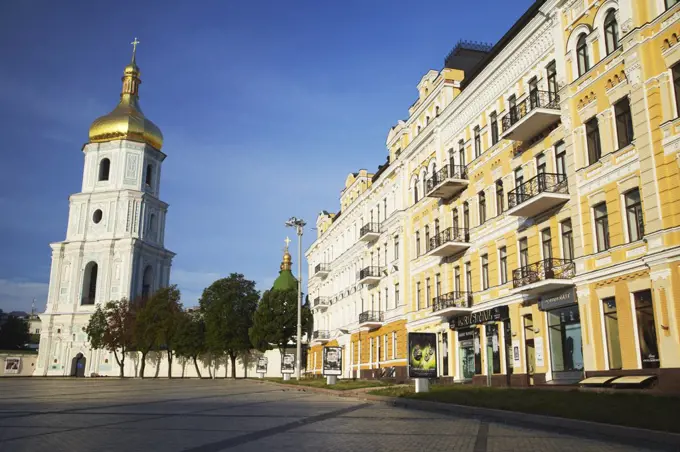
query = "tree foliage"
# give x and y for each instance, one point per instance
(275, 321)
(190, 339)
(14, 333)
(112, 328)
(228, 305)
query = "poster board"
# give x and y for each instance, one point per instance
(422, 355)
(261, 367)
(332, 361)
(12, 365)
(288, 364)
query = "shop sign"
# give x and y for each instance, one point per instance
(332, 360)
(261, 367)
(288, 364)
(557, 300)
(476, 318)
(422, 353)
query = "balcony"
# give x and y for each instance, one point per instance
(371, 319)
(369, 232)
(322, 270)
(544, 276)
(452, 303)
(321, 336)
(531, 116)
(538, 194)
(447, 182)
(448, 242)
(321, 303)
(370, 275)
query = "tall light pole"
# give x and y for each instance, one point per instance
(298, 224)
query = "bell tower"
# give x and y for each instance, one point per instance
(115, 236)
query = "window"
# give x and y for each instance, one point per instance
(478, 142)
(611, 331)
(593, 139)
(601, 226)
(561, 160)
(611, 32)
(437, 285)
(541, 166)
(417, 243)
(396, 247)
(418, 295)
(519, 185)
(436, 228)
(396, 294)
(546, 241)
(624, 122)
(582, 58)
(385, 248)
(493, 118)
(567, 240)
(90, 283)
(551, 71)
(461, 147)
(456, 280)
(147, 281)
(676, 87)
(482, 207)
(564, 328)
(385, 207)
(394, 341)
(468, 277)
(523, 252)
(104, 168)
(428, 292)
(427, 238)
(499, 197)
(466, 216)
(149, 174)
(503, 259)
(636, 224)
(485, 271)
(387, 299)
(415, 191)
(454, 221)
(512, 108)
(533, 92)
(152, 226)
(671, 3)
(644, 314)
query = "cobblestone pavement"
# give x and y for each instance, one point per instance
(213, 415)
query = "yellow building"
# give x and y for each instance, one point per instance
(535, 208)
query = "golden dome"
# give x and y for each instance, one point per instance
(126, 121)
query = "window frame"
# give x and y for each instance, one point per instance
(484, 261)
(601, 223)
(582, 54)
(567, 240)
(634, 209)
(623, 118)
(611, 29)
(493, 119)
(482, 207)
(503, 264)
(593, 142)
(500, 195)
(675, 77)
(477, 141)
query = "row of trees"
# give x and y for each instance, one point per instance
(231, 321)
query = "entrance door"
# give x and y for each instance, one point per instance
(78, 366)
(489, 360)
(529, 347)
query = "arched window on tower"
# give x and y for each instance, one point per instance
(149, 174)
(152, 226)
(147, 281)
(104, 168)
(90, 284)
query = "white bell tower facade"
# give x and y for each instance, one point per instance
(115, 237)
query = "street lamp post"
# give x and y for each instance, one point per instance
(298, 224)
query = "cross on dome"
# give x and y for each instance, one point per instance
(134, 48)
(287, 242)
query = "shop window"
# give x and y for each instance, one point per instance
(593, 140)
(503, 259)
(624, 122)
(646, 326)
(567, 240)
(601, 226)
(611, 32)
(485, 271)
(469, 352)
(636, 224)
(565, 339)
(611, 329)
(445, 353)
(493, 350)
(582, 57)
(493, 118)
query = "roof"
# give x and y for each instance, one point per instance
(285, 281)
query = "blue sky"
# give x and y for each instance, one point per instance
(265, 107)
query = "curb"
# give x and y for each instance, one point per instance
(621, 434)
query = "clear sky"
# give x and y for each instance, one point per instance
(265, 107)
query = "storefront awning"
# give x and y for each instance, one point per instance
(633, 380)
(597, 380)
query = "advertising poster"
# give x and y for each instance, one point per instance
(422, 353)
(538, 344)
(332, 360)
(515, 354)
(288, 364)
(12, 365)
(261, 365)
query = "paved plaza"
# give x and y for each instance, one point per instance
(212, 415)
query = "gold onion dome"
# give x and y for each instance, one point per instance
(126, 121)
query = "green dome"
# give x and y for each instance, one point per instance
(285, 281)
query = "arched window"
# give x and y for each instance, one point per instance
(149, 174)
(147, 281)
(152, 226)
(582, 58)
(90, 283)
(611, 32)
(104, 168)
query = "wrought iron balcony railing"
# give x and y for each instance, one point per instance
(320, 301)
(447, 172)
(545, 269)
(535, 99)
(544, 182)
(369, 228)
(322, 268)
(452, 300)
(452, 234)
(370, 272)
(371, 316)
(321, 334)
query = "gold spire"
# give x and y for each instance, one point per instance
(126, 121)
(287, 262)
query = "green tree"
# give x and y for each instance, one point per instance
(112, 328)
(190, 340)
(14, 333)
(275, 321)
(228, 305)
